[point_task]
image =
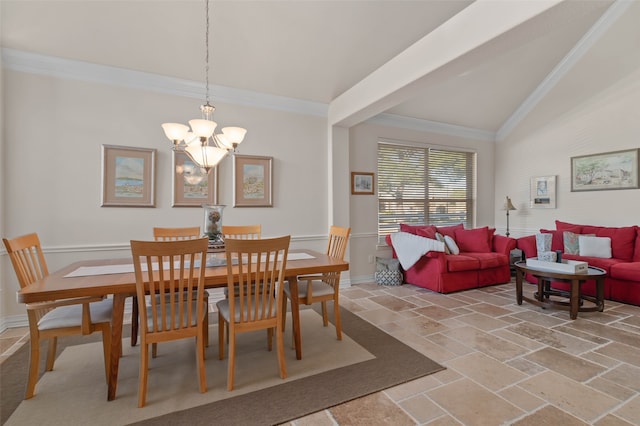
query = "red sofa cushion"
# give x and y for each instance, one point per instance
(624, 240)
(427, 232)
(566, 226)
(449, 230)
(413, 229)
(473, 240)
(598, 262)
(461, 262)
(629, 271)
(636, 251)
(490, 260)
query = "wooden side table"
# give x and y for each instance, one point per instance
(575, 297)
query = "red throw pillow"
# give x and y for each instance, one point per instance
(413, 229)
(427, 232)
(566, 226)
(473, 240)
(622, 241)
(492, 232)
(449, 230)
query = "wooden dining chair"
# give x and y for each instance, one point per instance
(173, 234)
(256, 305)
(49, 320)
(162, 234)
(324, 287)
(242, 232)
(173, 270)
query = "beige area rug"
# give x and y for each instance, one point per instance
(331, 372)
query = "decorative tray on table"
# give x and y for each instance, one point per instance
(566, 266)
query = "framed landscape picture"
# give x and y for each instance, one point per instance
(192, 186)
(542, 192)
(128, 176)
(609, 170)
(361, 183)
(252, 181)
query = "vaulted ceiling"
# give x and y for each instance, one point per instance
(317, 50)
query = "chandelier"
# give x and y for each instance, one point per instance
(205, 148)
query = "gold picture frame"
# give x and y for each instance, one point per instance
(252, 181)
(128, 176)
(362, 183)
(192, 186)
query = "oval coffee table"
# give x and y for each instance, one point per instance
(576, 300)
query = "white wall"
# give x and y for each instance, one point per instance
(607, 120)
(364, 208)
(54, 129)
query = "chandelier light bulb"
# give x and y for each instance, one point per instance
(175, 131)
(206, 157)
(190, 138)
(203, 128)
(223, 142)
(235, 135)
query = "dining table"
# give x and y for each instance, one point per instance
(119, 281)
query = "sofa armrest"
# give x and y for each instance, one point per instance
(503, 244)
(387, 239)
(528, 246)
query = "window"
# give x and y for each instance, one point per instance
(421, 185)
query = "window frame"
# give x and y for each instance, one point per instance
(470, 199)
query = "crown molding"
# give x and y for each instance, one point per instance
(615, 11)
(34, 63)
(51, 66)
(432, 127)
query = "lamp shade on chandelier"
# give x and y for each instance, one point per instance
(200, 142)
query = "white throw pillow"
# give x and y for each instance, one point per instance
(595, 246)
(451, 244)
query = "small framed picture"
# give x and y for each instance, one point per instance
(252, 181)
(542, 193)
(362, 183)
(128, 176)
(192, 186)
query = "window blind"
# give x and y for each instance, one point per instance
(420, 185)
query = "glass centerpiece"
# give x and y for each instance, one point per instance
(212, 226)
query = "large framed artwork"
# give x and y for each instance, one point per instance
(252, 181)
(192, 186)
(606, 171)
(128, 176)
(542, 192)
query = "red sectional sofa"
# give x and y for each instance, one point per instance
(483, 259)
(622, 283)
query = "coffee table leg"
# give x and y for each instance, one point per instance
(574, 298)
(600, 293)
(540, 289)
(519, 286)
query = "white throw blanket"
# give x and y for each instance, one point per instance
(409, 248)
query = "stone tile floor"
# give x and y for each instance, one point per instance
(506, 364)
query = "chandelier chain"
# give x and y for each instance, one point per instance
(206, 56)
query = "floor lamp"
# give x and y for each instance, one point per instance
(508, 206)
